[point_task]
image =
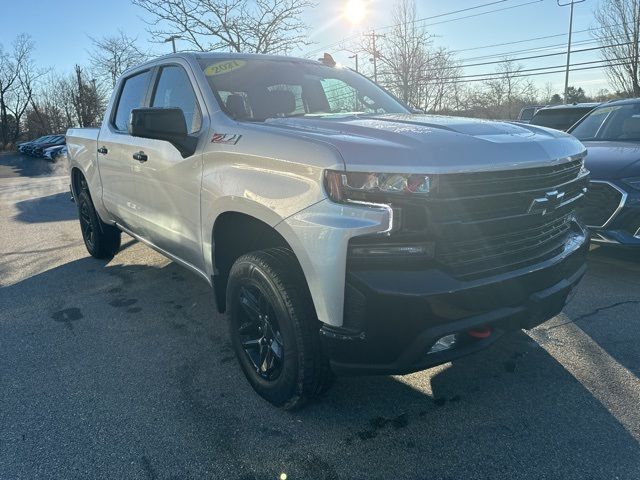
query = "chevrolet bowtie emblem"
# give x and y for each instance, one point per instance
(547, 204)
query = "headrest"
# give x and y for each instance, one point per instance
(276, 102)
(236, 106)
(631, 126)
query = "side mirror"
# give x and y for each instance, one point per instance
(166, 124)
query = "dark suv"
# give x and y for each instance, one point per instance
(611, 134)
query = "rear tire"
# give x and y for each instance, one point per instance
(101, 240)
(274, 328)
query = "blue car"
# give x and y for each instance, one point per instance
(611, 133)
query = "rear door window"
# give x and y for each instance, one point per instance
(131, 96)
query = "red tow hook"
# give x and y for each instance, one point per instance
(480, 332)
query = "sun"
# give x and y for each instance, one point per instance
(355, 11)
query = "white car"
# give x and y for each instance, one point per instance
(342, 233)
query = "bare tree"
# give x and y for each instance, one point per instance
(258, 26)
(17, 79)
(618, 34)
(440, 87)
(86, 100)
(508, 91)
(112, 55)
(52, 106)
(403, 55)
(409, 65)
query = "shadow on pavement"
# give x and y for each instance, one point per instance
(16, 165)
(605, 252)
(119, 370)
(52, 208)
(610, 318)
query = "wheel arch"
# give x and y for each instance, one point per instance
(76, 181)
(234, 234)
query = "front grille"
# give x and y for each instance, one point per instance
(601, 202)
(509, 181)
(484, 222)
(507, 251)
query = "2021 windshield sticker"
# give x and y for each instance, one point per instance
(219, 68)
(226, 138)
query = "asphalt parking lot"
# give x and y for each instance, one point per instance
(122, 369)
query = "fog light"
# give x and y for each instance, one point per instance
(382, 250)
(445, 343)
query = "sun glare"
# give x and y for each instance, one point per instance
(355, 11)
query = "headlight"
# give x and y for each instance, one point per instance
(358, 186)
(633, 182)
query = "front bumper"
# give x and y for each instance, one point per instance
(394, 318)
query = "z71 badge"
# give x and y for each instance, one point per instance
(226, 138)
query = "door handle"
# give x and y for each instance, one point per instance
(103, 150)
(140, 156)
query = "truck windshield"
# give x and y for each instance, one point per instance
(255, 89)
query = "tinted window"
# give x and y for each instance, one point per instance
(174, 90)
(527, 113)
(131, 96)
(560, 119)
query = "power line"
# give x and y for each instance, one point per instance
(481, 13)
(539, 56)
(541, 48)
(329, 46)
(486, 77)
(527, 40)
(492, 75)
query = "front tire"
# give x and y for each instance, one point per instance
(101, 240)
(274, 328)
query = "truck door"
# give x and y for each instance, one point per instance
(168, 185)
(115, 150)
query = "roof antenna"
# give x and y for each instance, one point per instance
(327, 60)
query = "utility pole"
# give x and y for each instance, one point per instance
(172, 39)
(566, 75)
(355, 55)
(373, 36)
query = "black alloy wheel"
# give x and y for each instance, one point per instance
(260, 333)
(274, 328)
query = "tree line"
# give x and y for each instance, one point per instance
(36, 100)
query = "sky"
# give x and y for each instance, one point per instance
(61, 30)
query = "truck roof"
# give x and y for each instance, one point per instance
(572, 105)
(194, 55)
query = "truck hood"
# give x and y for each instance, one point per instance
(433, 144)
(611, 160)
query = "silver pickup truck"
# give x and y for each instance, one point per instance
(342, 233)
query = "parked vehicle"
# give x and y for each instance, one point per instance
(52, 153)
(342, 233)
(562, 117)
(26, 146)
(37, 149)
(611, 134)
(527, 113)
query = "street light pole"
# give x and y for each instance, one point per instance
(373, 36)
(172, 39)
(355, 55)
(566, 75)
